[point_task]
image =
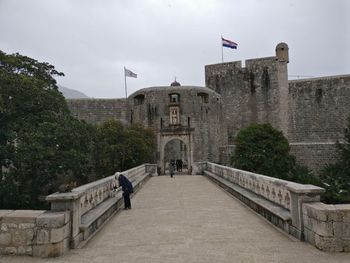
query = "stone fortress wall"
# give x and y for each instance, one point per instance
(312, 113)
(319, 108)
(199, 108)
(98, 110)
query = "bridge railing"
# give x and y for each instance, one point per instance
(84, 199)
(286, 194)
(323, 225)
(273, 189)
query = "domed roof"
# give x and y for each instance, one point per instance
(175, 83)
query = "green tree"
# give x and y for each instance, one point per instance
(262, 149)
(41, 145)
(336, 177)
(120, 148)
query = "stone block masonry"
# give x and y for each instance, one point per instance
(34, 232)
(327, 226)
(96, 111)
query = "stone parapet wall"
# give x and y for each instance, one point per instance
(34, 233)
(327, 226)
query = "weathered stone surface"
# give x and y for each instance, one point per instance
(19, 238)
(3, 227)
(49, 250)
(344, 209)
(331, 244)
(26, 225)
(29, 250)
(4, 212)
(10, 225)
(57, 234)
(10, 251)
(51, 219)
(43, 236)
(341, 229)
(5, 239)
(22, 216)
(30, 236)
(21, 250)
(323, 212)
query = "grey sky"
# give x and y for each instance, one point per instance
(91, 40)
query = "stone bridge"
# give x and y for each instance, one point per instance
(221, 215)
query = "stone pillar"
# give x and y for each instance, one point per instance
(199, 167)
(69, 202)
(151, 169)
(301, 194)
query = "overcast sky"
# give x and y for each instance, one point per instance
(92, 40)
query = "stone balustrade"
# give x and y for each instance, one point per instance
(52, 233)
(273, 189)
(86, 198)
(286, 194)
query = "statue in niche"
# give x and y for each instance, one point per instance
(174, 116)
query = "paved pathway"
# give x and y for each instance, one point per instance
(189, 219)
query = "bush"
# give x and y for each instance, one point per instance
(336, 177)
(262, 149)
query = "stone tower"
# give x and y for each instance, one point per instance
(282, 58)
(255, 93)
(282, 52)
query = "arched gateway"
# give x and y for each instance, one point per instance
(186, 121)
(174, 148)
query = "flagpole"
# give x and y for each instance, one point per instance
(126, 90)
(222, 51)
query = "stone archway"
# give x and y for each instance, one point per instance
(175, 151)
(175, 147)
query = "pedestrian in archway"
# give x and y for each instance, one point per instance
(171, 168)
(127, 189)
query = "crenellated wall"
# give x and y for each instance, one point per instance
(312, 113)
(252, 93)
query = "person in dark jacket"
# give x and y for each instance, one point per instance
(127, 189)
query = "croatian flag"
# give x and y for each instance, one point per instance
(228, 43)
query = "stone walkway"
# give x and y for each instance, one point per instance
(189, 219)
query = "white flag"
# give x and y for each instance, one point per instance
(129, 73)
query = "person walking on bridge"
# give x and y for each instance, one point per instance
(171, 168)
(127, 189)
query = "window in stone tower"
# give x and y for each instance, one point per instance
(139, 99)
(174, 98)
(204, 97)
(174, 115)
